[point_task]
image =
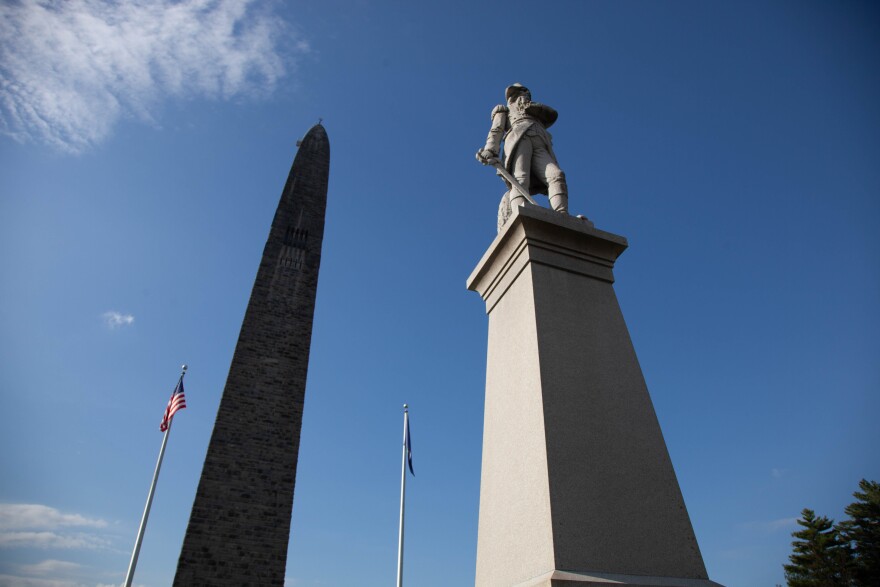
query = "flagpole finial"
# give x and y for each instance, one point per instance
(405, 406)
(183, 368)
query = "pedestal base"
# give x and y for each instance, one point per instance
(569, 579)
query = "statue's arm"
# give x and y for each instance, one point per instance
(496, 133)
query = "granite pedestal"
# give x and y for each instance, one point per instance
(577, 486)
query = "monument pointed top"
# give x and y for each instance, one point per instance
(317, 134)
(314, 144)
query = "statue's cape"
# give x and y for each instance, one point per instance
(543, 113)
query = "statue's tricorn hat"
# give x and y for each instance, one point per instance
(515, 89)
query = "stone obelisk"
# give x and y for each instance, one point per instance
(577, 485)
(239, 527)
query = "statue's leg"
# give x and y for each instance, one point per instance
(548, 171)
(558, 193)
(522, 168)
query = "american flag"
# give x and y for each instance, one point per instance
(177, 402)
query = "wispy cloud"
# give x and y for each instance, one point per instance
(13, 581)
(49, 567)
(19, 581)
(55, 573)
(69, 70)
(115, 319)
(40, 526)
(51, 540)
(31, 516)
(771, 526)
(778, 473)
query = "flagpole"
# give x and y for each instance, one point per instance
(129, 577)
(402, 500)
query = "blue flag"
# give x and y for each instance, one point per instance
(407, 441)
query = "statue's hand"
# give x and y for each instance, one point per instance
(483, 156)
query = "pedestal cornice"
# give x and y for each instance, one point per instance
(526, 238)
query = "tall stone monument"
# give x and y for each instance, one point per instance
(577, 486)
(240, 522)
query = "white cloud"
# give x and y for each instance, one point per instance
(39, 526)
(115, 319)
(18, 581)
(13, 581)
(31, 516)
(51, 540)
(50, 567)
(69, 70)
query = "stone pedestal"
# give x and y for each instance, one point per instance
(577, 486)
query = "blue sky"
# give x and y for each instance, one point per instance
(143, 148)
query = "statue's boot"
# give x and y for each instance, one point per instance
(559, 202)
(516, 199)
(557, 190)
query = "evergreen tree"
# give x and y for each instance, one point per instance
(820, 558)
(862, 530)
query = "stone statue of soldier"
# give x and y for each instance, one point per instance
(528, 151)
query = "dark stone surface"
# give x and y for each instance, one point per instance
(239, 527)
